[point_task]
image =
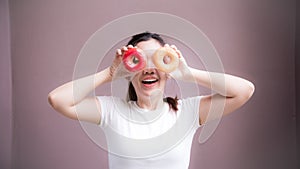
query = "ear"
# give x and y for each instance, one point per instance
(128, 78)
(168, 76)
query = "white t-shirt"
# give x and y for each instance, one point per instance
(143, 139)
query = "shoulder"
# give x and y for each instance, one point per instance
(109, 98)
(190, 101)
(111, 101)
(189, 104)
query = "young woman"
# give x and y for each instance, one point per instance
(146, 97)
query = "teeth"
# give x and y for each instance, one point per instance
(149, 80)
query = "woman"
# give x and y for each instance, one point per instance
(146, 97)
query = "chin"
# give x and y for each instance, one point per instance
(153, 92)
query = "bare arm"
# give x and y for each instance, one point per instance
(231, 90)
(77, 105)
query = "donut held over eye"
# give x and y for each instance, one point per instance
(166, 59)
(134, 60)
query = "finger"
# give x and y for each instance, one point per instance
(176, 50)
(118, 52)
(174, 47)
(129, 46)
(166, 45)
(124, 49)
(179, 53)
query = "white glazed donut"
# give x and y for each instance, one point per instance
(159, 59)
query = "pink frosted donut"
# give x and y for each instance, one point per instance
(133, 60)
(159, 59)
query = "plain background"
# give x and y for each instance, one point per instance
(39, 44)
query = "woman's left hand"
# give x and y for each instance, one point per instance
(183, 70)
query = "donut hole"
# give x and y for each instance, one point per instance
(133, 61)
(167, 59)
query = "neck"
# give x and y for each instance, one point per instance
(151, 102)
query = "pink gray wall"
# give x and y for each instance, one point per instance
(297, 66)
(40, 41)
(5, 88)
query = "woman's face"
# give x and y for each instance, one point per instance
(150, 79)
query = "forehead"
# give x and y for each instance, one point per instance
(150, 44)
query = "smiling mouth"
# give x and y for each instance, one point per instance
(149, 81)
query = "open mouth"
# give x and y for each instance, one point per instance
(149, 81)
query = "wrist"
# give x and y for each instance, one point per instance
(187, 74)
(104, 76)
(110, 70)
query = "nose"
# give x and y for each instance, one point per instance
(149, 71)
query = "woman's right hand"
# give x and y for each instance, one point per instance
(115, 71)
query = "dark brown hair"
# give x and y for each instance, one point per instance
(173, 102)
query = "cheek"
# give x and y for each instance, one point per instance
(163, 79)
(163, 76)
(135, 79)
(134, 82)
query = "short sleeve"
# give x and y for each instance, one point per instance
(108, 107)
(105, 103)
(190, 106)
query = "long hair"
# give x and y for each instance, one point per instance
(173, 102)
